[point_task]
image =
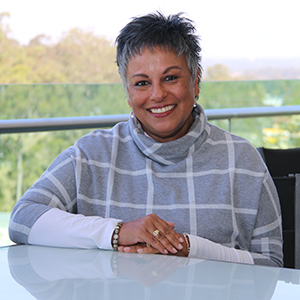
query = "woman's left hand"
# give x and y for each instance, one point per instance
(151, 229)
(144, 248)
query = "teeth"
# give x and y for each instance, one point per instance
(162, 110)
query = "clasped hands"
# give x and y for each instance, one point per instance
(151, 235)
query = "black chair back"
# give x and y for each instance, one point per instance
(284, 167)
(281, 162)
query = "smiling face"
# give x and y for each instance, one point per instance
(161, 93)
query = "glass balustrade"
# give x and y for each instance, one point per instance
(24, 157)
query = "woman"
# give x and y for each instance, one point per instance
(164, 182)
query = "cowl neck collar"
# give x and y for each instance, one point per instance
(175, 151)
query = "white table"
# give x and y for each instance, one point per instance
(31, 272)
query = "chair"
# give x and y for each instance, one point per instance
(284, 167)
(281, 162)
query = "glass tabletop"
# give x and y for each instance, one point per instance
(33, 272)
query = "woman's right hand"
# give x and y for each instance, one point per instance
(144, 229)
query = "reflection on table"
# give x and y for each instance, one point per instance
(56, 273)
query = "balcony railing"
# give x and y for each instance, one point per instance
(69, 123)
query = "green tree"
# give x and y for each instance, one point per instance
(12, 67)
(78, 57)
(85, 57)
(24, 157)
(217, 72)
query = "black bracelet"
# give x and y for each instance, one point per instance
(115, 241)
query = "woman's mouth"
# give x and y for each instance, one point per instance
(161, 109)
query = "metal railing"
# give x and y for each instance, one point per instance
(69, 123)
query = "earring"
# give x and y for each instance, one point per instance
(195, 103)
(131, 114)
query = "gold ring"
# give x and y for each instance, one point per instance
(155, 232)
(148, 245)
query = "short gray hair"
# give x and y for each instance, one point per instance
(173, 33)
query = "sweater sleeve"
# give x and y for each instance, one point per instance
(56, 188)
(265, 247)
(47, 214)
(266, 242)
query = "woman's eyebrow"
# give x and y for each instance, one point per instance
(146, 76)
(171, 68)
(140, 75)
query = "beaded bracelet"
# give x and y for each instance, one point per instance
(115, 241)
(187, 242)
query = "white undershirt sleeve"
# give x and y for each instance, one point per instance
(58, 228)
(205, 249)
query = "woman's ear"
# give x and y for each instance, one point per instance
(129, 102)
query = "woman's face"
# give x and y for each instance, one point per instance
(161, 93)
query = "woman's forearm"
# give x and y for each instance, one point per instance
(62, 229)
(205, 249)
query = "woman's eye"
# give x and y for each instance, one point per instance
(171, 77)
(141, 83)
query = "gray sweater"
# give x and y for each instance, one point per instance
(210, 183)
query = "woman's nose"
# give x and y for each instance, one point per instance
(158, 92)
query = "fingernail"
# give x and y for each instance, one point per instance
(165, 251)
(180, 246)
(181, 240)
(139, 250)
(174, 250)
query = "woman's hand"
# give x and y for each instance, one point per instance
(144, 248)
(150, 230)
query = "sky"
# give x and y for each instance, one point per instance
(228, 28)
